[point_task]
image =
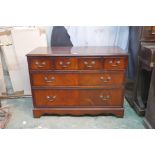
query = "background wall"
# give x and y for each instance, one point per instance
(23, 39)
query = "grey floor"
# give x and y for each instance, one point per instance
(22, 118)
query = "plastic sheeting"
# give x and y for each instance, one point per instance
(99, 36)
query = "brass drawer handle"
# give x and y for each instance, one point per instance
(114, 64)
(49, 80)
(110, 61)
(64, 65)
(105, 79)
(104, 98)
(51, 98)
(68, 62)
(118, 62)
(85, 62)
(89, 65)
(40, 65)
(93, 62)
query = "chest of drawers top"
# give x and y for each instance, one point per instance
(78, 51)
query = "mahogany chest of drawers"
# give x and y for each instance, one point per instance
(77, 80)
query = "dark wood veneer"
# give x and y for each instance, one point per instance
(77, 80)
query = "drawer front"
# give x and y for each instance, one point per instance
(75, 79)
(52, 98)
(99, 79)
(112, 97)
(53, 79)
(41, 64)
(89, 63)
(114, 63)
(63, 63)
(86, 97)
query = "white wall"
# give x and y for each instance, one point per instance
(24, 39)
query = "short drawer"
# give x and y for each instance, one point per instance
(90, 63)
(81, 97)
(114, 63)
(64, 63)
(41, 64)
(54, 79)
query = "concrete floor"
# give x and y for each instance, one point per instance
(22, 118)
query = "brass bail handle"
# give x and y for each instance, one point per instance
(51, 98)
(64, 65)
(40, 65)
(49, 80)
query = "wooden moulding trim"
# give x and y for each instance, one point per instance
(123, 55)
(81, 108)
(109, 87)
(78, 71)
(37, 112)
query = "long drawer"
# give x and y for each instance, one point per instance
(80, 63)
(77, 79)
(76, 98)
